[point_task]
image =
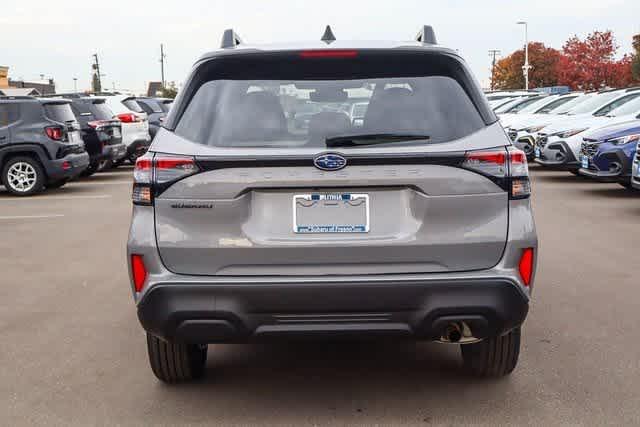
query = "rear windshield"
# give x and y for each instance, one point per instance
(306, 111)
(59, 112)
(132, 105)
(151, 104)
(166, 105)
(101, 111)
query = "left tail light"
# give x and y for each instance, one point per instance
(55, 132)
(507, 167)
(154, 173)
(138, 271)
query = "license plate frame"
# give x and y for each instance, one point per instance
(357, 203)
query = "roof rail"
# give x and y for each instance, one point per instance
(230, 39)
(427, 35)
(11, 98)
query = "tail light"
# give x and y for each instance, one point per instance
(55, 132)
(506, 167)
(526, 266)
(138, 272)
(128, 118)
(155, 173)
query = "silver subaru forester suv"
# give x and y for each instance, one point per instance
(264, 211)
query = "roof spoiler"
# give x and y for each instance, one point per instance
(427, 35)
(18, 97)
(230, 39)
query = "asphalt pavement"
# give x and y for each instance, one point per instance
(72, 351)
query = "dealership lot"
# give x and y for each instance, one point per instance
(73, 352)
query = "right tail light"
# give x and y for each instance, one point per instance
(507, 167)
(154, 173)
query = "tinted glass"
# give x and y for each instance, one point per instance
(609, 108)
(152, 105)
(4, 115)
(521, 105)
(535, 106)
(304, 113)
(593, 103)
(555, 104)
(132, 105)
(571, 105)
(59, 112)
(101, 111)
(630, 107)
(166, 106)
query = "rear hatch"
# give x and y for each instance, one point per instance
(246, 190)
(108, 128)
(59, 111)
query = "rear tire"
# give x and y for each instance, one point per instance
(174, 362)
(493, 357)
(23, 176)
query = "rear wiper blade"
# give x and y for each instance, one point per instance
(372, 139)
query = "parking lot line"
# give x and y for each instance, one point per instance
(31, 216)
(33, 199)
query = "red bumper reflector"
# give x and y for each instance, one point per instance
(139, 272)
(66, 166)
(526, 266)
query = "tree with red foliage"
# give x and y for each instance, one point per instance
(544, 61)
(590, 63)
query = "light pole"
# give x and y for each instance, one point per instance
(526, 67)
(75, 84)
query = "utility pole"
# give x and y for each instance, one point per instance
(97, 84)
(162, 57)
(494, 53)
(75, 84)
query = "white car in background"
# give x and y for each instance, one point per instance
(522, 127)
(559, 145)
(135, 124)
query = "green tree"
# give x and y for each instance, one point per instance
(170, 90)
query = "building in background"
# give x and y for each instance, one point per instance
(154, 89)
(4, 76)
(15, 91)
(44, 87)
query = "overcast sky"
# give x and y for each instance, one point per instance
(58, 38)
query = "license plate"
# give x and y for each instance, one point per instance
(585, 162)
(331, 213)
(537, 152)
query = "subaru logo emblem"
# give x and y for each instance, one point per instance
(330, 162)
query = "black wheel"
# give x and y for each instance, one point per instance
(23, 176)
(56, 184)
(174, 362)
(626, 185)
(493, 357)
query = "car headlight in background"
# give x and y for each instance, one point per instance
(534, 129)
(624, 140)
(569, 133)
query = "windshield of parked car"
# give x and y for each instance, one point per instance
(536, 105)
(573, 103)
(628, 108)
(506, 106)
(556, 103)
(304, 113)
(593, 103)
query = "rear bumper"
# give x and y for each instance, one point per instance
(68, 167)
(115, 152)
(218, 313)
(607, 176)
(140, 145)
